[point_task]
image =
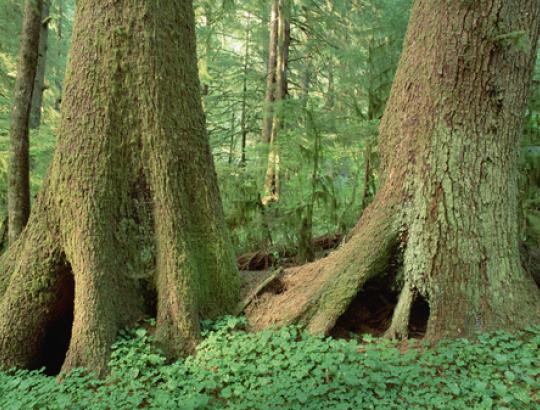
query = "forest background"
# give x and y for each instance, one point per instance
(339, 61)
(296, 168)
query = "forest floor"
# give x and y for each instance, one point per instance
(286, 368)
(289, 369)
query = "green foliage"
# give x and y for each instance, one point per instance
(287, 368)
(341, 65)
(349, 53)
(530, 166)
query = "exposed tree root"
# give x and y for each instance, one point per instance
(258, 260)
(37, 308)
(399, 328)
(33, 301)
(316, 294)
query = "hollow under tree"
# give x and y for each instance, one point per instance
(447, 206)
(132, 152)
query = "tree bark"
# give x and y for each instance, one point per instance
(449, 139)
(124, 161)
(39, 82)
(18, 175)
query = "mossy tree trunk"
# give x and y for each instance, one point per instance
(18, 175)
(447, 205)
(132, 153)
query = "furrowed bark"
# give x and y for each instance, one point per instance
(469, 93)
(193, 252)
(34, 275)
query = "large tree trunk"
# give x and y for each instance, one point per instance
(39, 82)
(448, 203)
(18, 176)
(126, 167)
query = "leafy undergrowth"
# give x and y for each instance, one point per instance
(288, 369)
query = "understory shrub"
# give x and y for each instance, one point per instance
(288, 369)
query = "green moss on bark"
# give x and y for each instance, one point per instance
(132, 151)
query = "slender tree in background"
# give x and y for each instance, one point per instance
(367, 190)
(447, 205)
(132, 152)
(59, 37)
(271, 72)
(39, 82)
(243, 114)
(305, 246)
(18, 176)
(279, 91)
